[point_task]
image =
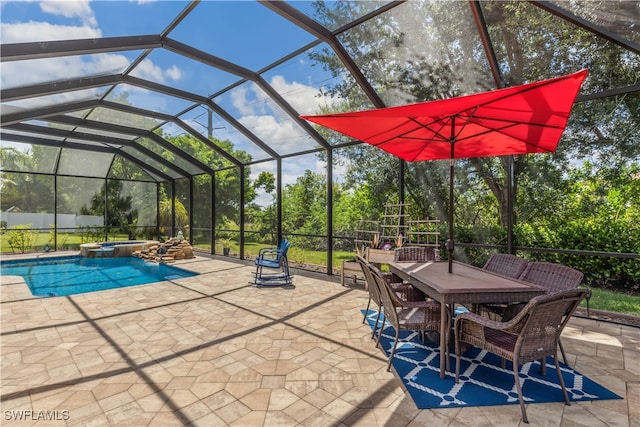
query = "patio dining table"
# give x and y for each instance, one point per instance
(466, 284)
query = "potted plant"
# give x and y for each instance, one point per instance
(226, 246)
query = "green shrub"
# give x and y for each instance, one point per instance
(22, 237)
(89, 234)
(606, 272)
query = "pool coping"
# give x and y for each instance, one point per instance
(23, 259)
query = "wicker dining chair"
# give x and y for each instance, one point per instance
(374, 293)
(420, 316)
(402, 290)
(553, 277)
(405, 290)
(507, 265)
(532, 335)
(416, 254)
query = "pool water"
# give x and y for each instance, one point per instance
(76, 275)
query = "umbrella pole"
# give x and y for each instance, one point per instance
(450, 243)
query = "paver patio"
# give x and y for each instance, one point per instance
(212, 350)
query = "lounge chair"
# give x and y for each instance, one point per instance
(275, 261)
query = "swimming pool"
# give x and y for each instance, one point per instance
(70, 275)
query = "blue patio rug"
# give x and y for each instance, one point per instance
(482, 380)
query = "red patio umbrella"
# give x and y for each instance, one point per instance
(516, 120)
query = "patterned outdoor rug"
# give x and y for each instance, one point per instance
(482, 380)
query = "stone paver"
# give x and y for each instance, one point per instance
(213, 350)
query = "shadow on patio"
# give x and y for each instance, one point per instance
(213, 350)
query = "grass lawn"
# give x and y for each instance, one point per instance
(66, 241)
(294, 255)
(614, 301)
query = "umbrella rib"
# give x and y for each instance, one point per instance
(402, 135)
(473, 119)
(419, 126)
(435, 132)
(474, 109)
(516, 123)
(468, 119)
(529, 87)
(395, 136)
(426, 126)
(510, 125)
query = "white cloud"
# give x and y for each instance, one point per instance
(35, 31)
(23, 73)
(240, 102)
(266, 120)
(105, 64)
(149, 71)
(260, 114)
(174, 73)
(55, 99)
(283, 136)
(339, 169)
(303, 98)
(269, 122)
(264, 127)
(71, 9)
(43, 31)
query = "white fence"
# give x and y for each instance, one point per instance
(46, 220)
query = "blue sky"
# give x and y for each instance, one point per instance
(243, 32)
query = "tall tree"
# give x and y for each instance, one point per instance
(530, 45)
(116, 207)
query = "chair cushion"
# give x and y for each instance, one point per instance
(499, 342)
(269, 263)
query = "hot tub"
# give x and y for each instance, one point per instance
(113, 249)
